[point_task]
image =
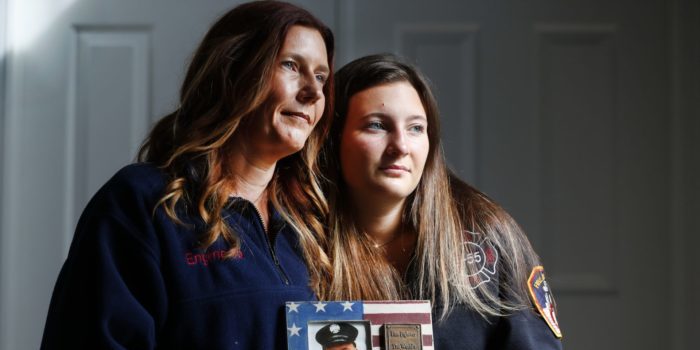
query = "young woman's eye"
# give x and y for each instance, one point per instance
(418, 128)
(375, 126)
(321, 78)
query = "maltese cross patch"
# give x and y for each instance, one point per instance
(482, 257)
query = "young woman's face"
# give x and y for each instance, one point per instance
(384, 144)
(296, 101)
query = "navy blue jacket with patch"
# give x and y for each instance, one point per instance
(465, 329)
(134, 279)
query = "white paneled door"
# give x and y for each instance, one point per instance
(557, 109)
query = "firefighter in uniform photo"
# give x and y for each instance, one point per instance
(337, 336)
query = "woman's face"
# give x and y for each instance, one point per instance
(296, 101)
(384, 144)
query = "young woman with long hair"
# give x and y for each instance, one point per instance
(199, 245)
(402, 226)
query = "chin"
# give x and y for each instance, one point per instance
(393, 192)
(292, 147)
(296, 144)
(396, 187)
(292, 142)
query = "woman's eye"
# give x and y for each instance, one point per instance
(375, 126)
(321, 78)
(289, 64)
(419, 129)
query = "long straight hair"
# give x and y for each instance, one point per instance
(442, 211)
(226, 85)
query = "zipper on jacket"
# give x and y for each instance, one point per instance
(269, 246)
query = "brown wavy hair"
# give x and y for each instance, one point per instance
(441, 211)
(226, 84)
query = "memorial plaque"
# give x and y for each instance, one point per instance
(402, 337)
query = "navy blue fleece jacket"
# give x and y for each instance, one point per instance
(134, 279)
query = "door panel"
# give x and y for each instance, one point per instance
(558, 112)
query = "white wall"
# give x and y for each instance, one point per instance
(3, 54)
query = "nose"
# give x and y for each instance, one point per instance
(311, 90)
(397, 146)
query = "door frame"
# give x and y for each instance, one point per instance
(684, 32)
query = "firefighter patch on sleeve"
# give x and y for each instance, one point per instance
(542, 298)
(482, 256)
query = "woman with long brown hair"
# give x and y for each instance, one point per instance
(200, 244)
(402, 226)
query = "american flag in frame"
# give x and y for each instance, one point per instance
(300, 313)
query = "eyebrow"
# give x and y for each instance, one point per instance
(384, 115)
(417, 117)
(297, 57)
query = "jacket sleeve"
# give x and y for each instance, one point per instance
(110, 293)
(524, 330)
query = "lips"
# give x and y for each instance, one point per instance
(297, 115)
(395, 167)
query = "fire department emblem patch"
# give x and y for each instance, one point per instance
(482, 257)
(542, 298)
